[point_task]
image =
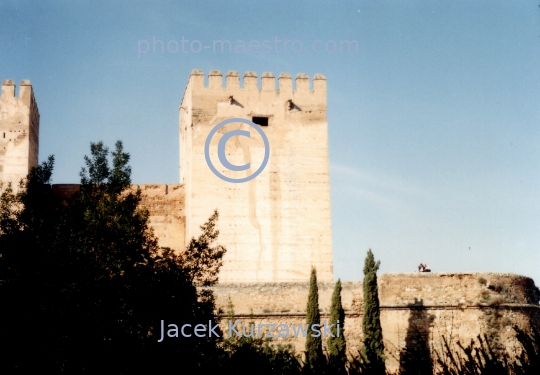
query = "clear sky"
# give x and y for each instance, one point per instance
(433, 121)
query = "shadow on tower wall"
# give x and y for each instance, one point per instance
(415, 357)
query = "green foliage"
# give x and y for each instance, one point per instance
(337, 357)
(202, 260)
(373, 347)
(85, 287)
(247, 355)
(315, 360)
(251, 354)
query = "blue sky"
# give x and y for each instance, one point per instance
(433, 123)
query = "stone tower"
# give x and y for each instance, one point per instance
(19, 133)
(277, 225)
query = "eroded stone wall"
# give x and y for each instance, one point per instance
(285, 303)
(414, 307)
(165, 204)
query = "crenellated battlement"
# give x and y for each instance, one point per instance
(251, 82)
(8, 89)
(25, 91)
(25, 101)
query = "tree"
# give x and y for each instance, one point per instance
(252, 354)
(373, 347)
(315, 360)
(26, 222)
(87, 285)
(201, 260)
(337, 357)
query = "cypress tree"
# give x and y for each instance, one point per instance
(314, 355)
(373, 347)
(336, 345)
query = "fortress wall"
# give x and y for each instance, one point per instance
(277, 225)
(413, 306)
(405, 327)
(285, 303)
(19, 133)
(64, 193)
(455, 289)
(165, 203)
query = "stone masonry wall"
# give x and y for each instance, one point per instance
(19, 133)
(431, 305)
(276, 226)
(165, 204)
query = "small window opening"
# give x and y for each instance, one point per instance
(4, 135)
(262, 121)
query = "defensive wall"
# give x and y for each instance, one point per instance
(277, 226)
(165, 205)
(414, 307)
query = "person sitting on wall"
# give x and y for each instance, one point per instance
(420, 267)
(426, 269)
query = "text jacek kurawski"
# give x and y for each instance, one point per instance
(267, 330)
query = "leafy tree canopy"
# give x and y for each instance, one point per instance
(85, 285)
